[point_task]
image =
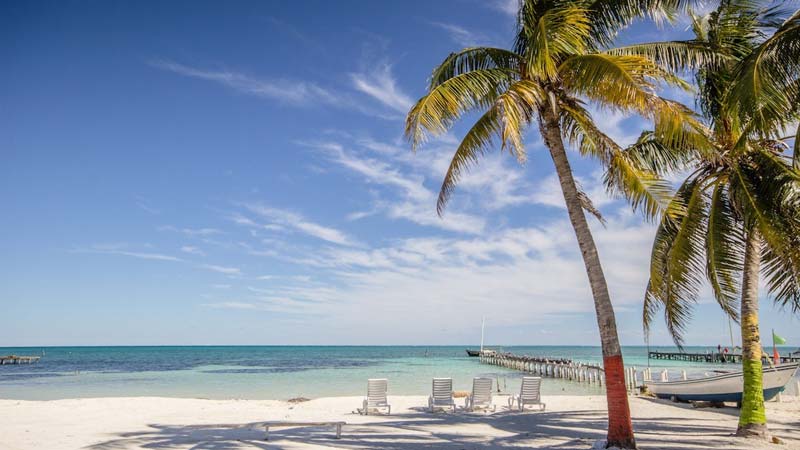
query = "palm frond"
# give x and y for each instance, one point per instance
(724, 246)
(547, 36)
(505, 121)
(796, 150)
(608, 17)
(677, 260)
(679, 128)
(625, 83)
(474, 58)
(766, 89)
(768, 198)
(478, 140)
(588, 206)
(435, 113)
(652, 154)
(580, 131)
(644, 190)
(673, 56)
(782, 276)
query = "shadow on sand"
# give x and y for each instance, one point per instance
(447, 431)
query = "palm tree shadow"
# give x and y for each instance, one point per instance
(571, 430)
(194, 437)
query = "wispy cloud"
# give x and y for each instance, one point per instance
(416, 202)
(415, 280)
(222, 269)
(295, 92)
(297, 222)
(461, 35)
(232, 305)
(192, 250)
(118, 249)
(508, 7)
(145, 206)
(381, 85)
(192, 232)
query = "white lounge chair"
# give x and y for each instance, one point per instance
(529, 394)
(442, 395)
(481, 397)
(376, 396)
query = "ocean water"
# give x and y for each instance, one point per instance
(282, 372)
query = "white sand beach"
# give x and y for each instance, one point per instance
(570, 422)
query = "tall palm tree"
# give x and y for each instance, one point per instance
(561, 58)
(737, 215)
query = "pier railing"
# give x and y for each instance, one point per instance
(713, 357)
(564, 369)
(14, 359)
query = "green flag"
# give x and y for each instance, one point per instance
(777, 340)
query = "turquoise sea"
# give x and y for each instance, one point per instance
(281, 372)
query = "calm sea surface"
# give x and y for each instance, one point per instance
(268, 372)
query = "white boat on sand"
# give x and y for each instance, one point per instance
(722, 388)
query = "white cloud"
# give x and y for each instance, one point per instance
(416, 202)
(461, 35)
(293, 92)
(509, 7)
(232, 305)
(192, 232)
(192, 250)
(119, 249)
(222, 269)
(516, 276)
(299, 223)
(381, 85)
(548, 191)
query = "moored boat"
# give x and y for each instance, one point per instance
(476, 353)
(726, 387)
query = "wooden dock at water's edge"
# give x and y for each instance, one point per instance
(719, 358)
(15, 359)
(564, 369)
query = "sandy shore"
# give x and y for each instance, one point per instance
(570, 422)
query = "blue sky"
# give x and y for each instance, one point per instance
(209, 173)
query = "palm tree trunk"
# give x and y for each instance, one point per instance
(752, 417)
(620, 429)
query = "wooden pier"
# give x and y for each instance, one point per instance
(564, 369)
(15, 359)
(719, 358)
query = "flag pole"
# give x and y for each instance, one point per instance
(776, 358)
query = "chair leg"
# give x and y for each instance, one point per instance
(266, 432)
(338, 431)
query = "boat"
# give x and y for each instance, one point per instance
(726, 387)
(476, 353)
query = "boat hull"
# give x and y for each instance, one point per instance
(722, 388)
(474, 353)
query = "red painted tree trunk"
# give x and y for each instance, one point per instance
(620, 428)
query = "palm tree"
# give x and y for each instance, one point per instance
(561, 57)
(737, 215)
